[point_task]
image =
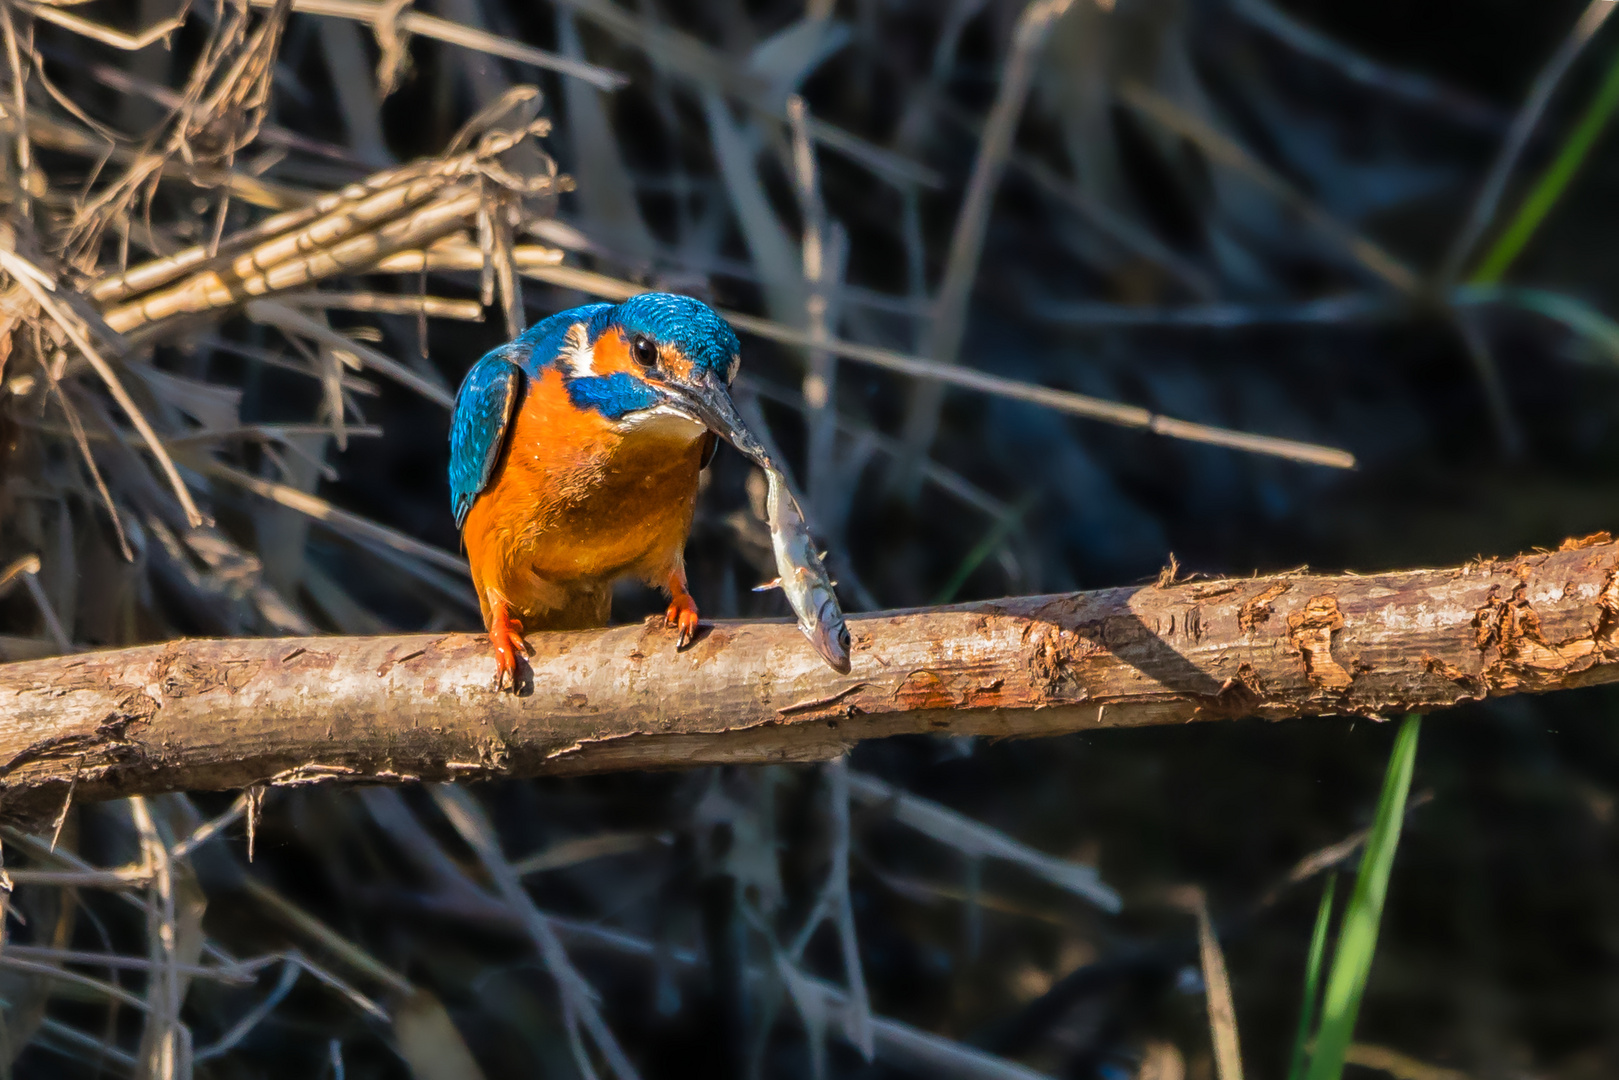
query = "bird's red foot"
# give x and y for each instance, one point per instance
(682, 613)
(506, 635)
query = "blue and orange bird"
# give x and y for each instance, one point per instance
(574, 457)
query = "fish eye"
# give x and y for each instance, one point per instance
(645, 353)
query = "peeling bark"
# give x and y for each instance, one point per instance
(234, 713)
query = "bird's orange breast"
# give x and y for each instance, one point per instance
(578, 500)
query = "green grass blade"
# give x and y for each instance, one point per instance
(984, 549)
(1552, 183)
(1578, 317)
(1312, 979)
(1357, 936)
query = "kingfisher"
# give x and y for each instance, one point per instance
(575, 451)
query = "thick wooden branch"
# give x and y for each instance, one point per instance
(231, 713)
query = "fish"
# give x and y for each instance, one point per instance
(803, 576)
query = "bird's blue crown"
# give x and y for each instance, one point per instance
(690, 325)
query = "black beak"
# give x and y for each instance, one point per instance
(710, 402)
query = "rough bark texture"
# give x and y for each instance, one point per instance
(231, 713)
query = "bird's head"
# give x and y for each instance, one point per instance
(658, 356)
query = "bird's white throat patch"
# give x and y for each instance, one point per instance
(664, 423)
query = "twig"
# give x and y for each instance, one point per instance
(209, 829)
(979, 841)
(230, 969)
(1482, 212)
(570, 853)
(340, 521)
(28, 564)
(289, 320)
(825, 254)
(693, 59)
(75, 1037)
(211, 291)
(158, 31)
(578, 998)
(431, 26)
(921, 368)
(1414, 88)
(330, 940)
(451, 256)
(1116, 226)
(1398, 1065)
(36, 592)
(434, 306)
(899, 1043)
(1371, 257)
(18, 962)
(346, 232)
(1495, 395)
(943, 342)
(125, 878)
(30, 277)
(1093, 315)
(769, 244)
(947, 480)
(841, 905)
(112, 288)
(115, 962)
(253, 1017)
(83, 442)
(1216, 988)
(19, 105)
(166, 1043)
(253, 811)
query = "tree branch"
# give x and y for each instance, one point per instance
(231, 713)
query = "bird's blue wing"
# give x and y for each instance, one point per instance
(488, 397)
(483, 412)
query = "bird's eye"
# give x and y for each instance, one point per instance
(645, 353)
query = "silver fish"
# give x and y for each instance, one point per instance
(803, 577)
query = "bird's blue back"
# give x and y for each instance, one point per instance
(488, 398)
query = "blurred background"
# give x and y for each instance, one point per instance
(1379, 228)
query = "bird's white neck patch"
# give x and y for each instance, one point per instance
(578, 353)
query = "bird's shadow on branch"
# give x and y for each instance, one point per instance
(1128, 637)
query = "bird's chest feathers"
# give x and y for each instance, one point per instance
(651, 460)
(646, 460)
(583, 495)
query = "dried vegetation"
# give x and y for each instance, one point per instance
(248, 249)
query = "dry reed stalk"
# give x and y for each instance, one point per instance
(922, 368)
(394, 212)
(220, 111)
(111, 288)
(436, 306)
(211, 291)
(392, 20)
(945, 334)
(296, 322)
(460, 255)
(39, 287)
